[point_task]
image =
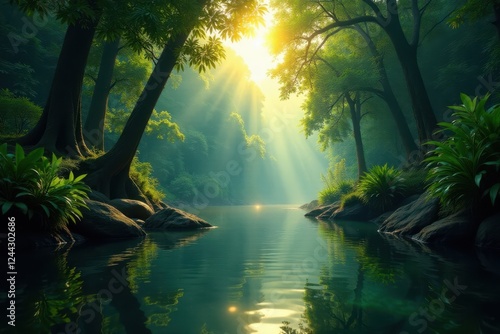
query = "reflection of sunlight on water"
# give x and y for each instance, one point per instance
(269, 320)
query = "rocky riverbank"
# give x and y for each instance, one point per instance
(421, 219)
(106, 220)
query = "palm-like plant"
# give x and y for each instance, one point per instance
(466, 166)
(31, 184)
(382, 187)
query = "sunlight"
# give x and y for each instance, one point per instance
(232, 309)
(257, 207)
(254, 52)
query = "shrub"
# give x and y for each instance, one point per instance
(464, 168)
(31, 184)
(351, 199)
(415, 181)
(140, 173)
(382, 188)
(334, 193)
(17, 114)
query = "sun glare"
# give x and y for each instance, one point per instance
(254, 52)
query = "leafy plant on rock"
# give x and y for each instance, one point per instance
(30, 184)
(465, 168)
(382, 187)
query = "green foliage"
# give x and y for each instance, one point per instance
(286, 329)
(351, 199)
(141, 174)
(465, 167)
(333, 194)
(182, 187)
(17, 114)
(31, 184)
(336, 184)
(254, 141)
(415, 181)
(382, 187)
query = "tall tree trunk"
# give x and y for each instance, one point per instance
(111, 175)
(407, 56)
(389, 96)
(355, 110)
(59, 128)
(94, 124)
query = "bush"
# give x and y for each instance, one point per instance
(31, 184)
(415, 181)
(382, 188)
(17, 114)
(464, 168)
(334, 193)
(140, 173)
(351, 199)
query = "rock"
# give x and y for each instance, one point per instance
(359, 212)
(98, 196)
(101, 220)
(328, 211)
(132, 208)
(174, 219)
(412, 218)
(55, 239)
(320, 210)
(488, 233)
(310, 206)
(456, 229)
(383, 217)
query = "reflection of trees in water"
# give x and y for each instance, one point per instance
(393, 285)
(93, 289)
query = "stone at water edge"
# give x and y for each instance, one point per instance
(132, 208)
(412, 218)
(103, 221)
(174, 219)
(457, 229)
(488, 233)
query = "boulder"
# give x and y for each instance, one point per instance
(488, 233)
(54, 239)
(101, 220)
(98, 196)
(412, 218)
(456, 229)
(322, 209)
(328, 211)
(310, 206)
(359, 212)
(174, 219)
(132, 208)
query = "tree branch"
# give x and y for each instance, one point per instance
(376, 10)
(417, 21)
(437, 24)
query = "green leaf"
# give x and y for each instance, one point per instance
(22, 206)
(494, 192)
(6, 207)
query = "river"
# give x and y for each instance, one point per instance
(260, 266)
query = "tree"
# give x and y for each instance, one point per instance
(59, 128)
(318, 22)
(224, 19)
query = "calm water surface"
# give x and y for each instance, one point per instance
(260, 266)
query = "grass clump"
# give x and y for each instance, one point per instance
(31, 184)
(382, 187)
(336, 184)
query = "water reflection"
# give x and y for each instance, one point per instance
(398, 286)
(259, 268)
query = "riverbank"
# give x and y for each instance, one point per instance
(422, 219)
